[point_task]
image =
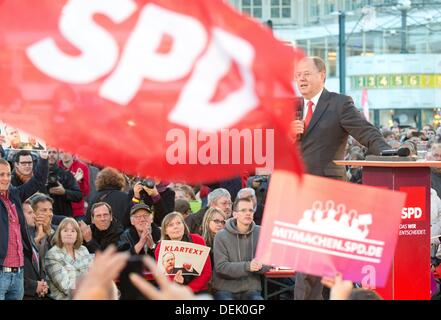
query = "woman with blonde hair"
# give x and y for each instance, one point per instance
(67, 260)
(213, 222)
(173, 227)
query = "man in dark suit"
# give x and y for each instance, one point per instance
(322, 129)
(35, 287)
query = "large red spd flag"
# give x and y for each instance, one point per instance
(149, 87)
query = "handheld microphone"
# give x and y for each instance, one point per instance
(299, 111)
(401, 152)
(299, 115)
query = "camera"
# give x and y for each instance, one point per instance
(52, 179)
(261, 179)
(149, 183)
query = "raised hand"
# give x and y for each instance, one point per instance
(86, 231)
(340, 289)
(79, 175)
(168, 290)
(178, 278)
(151, 191)
(137, 190)
(98, 282)
(58, 190)
(44, 154)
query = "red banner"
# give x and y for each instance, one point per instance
(324, 226)
(149, 87)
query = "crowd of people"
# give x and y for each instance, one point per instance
(419, 142)
(48, 250)
(68, 228)
(54, 233)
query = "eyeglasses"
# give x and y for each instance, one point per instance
(225, 203)
(26, 163)
(141, 217)
(216, 221)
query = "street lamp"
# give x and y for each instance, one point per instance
(342, 48)
(342, 51)
(404, 6)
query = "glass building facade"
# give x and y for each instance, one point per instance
(393, 50)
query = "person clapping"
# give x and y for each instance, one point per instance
(67, 260)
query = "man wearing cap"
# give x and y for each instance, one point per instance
(104, 231)
(141, 237)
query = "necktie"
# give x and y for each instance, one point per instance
(35, 259)
(308, 114)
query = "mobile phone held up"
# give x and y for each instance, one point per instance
(125, 285)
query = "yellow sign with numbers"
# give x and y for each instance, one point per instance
(395, 81)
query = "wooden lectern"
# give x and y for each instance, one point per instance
(409, 278)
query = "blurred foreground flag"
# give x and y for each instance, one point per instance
(323, 226)
(185, 90)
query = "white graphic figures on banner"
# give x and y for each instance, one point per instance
(335, 221)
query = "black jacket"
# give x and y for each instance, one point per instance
(17, 196)
(102, 239)
(130, 238)
(62, 203)
(258, 215)
(15, 181)
(194, 221)
(118, 200)
(33, 272)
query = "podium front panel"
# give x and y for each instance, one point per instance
(409, 278)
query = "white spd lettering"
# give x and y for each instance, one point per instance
(190, 54)
(99, 50)
(411, 213)
(141, 60)
(196, 94)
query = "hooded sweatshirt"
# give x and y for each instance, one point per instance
(233, 253)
